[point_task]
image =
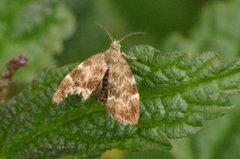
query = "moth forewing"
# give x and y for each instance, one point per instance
(123, 97)
(83, 80)
(111, 72)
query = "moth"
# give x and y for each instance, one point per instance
(110, 75)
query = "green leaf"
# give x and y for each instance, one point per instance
(177, 93)
(34, 28)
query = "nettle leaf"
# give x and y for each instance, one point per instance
(35, 29)
(177, 93)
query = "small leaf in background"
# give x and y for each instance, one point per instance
(178, 92)
(114, 153)
(33, 28)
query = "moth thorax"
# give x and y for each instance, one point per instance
(112, 56)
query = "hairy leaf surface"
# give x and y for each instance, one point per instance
(177, 93)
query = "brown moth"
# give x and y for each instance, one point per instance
(109, 73)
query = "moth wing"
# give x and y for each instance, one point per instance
(123, 97)
(84, 79)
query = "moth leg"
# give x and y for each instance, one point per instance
(129, 57)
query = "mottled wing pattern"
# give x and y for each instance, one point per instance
(123, 97)
(84, 79)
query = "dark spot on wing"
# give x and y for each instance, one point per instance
(87, 63)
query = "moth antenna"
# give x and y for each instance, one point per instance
(106, 31)
(131, 34)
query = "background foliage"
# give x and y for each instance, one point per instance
(52, 32)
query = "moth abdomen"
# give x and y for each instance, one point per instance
(103, 96)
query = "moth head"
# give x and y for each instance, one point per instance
(115, 45)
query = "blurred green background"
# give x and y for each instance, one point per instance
(157, 18)
(55, 33)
